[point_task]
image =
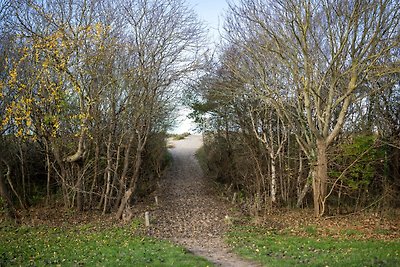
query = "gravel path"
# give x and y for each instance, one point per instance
(190, 213)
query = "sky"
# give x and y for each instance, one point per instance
(211, 13)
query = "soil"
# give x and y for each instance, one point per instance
(189, 210)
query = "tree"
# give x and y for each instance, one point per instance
(164, 37)
(311, 61)
(88, 80)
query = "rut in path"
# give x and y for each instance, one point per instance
(190, 213)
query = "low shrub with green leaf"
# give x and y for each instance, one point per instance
(89, 246)
(276, 249)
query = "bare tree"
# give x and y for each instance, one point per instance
(311, 60)
(163, 38)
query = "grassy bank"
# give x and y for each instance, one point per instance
(274, 248)
(89, 246)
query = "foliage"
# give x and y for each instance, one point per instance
(88, 245)
(364, 156)
(278, 249)
(91, 84)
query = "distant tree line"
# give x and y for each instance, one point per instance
(302, 106)
(86, 90)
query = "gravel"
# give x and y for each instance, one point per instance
(190, 212)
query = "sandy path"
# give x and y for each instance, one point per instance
(189, 212)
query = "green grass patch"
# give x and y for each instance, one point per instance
(89, 246)
(276, 249)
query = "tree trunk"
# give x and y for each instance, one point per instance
(394, 165)
(304, 191)
(133, 182)
(79, 190)
(124, 202)
(116, 179)
(48, 172)
(108, 174)
(132, 187)
(8, 177)
(11, 211)
(23, 172)
(122, 182)
(100, 203)
(273, 178)
(96, 173)
(320, 178)
(63, 172)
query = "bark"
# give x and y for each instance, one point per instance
(23, 171)
(115, 170)
(124, 173)
(99, 205)
(78, 154)
(96, 173)
(304, 191)
(8, 177)
(79, 190)
(134, 179)
(132, 187)
(395, 165)
(108, 174)
(273, 178)
(48, 172)
(124, 202)
(63, 172)
(320, 178)
(65, 191)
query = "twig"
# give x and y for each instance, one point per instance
(343, 173)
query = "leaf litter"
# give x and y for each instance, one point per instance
(190, 212)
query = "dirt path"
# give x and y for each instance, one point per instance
(189, 212)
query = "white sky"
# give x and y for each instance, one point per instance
(211, 13)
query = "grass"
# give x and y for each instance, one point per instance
(274, 248)
(87, 245)
(311, 230)
(180, 136)
(201, 157)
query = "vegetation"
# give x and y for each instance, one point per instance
(300, 108)
(86, 98)
(179, 136)
(88, 245)
(283, 249)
